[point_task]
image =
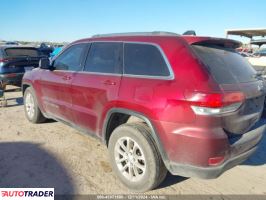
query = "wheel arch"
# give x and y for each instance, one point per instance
(106, 124)
(24, 86)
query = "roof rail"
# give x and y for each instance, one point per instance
(154, 33)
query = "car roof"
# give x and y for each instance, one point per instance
(154, 33)
(157, 37)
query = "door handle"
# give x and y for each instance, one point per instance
(109, 82)
(66, 78)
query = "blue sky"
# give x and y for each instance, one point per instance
(68, 20)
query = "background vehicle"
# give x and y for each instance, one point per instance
(45, 49)
(14, 61)
(261, 52)
(11, 43)
(159, 101)
(258, 58)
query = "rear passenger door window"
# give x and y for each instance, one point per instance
(71, 59)
(145, 60)
(104, 57)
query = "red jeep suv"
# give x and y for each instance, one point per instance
(160, 101)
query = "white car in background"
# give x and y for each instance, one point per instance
(258, 58)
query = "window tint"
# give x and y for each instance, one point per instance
(144, 59)
(104, 57)
(22, 52)
(225, 65)
(71, 59)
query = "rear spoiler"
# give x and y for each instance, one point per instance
(220, 42)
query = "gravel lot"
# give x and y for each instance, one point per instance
(55, 155)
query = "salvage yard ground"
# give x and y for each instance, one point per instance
(55, 155)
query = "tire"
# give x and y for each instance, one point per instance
(31, 108)
(147, 168)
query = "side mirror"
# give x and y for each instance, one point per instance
(44, 63)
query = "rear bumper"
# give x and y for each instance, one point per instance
(209, 172)
(12, 78)
(238, 152)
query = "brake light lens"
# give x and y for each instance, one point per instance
(215, 103)
(216, 160)
(4, 60)
(10, 75)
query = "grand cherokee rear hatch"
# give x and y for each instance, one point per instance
(237, 79)
(19, 59)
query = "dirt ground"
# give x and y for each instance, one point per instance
(55, 155)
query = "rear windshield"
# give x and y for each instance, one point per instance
(225, 64)
(22, 52)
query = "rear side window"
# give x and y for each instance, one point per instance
(22, 52)
(225, 64)
(104, 57)
(144, 59)
(71, 59)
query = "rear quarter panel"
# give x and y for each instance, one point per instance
(163, 101)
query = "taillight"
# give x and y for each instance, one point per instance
(10, 75)
(4, 60)
(215, 103)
